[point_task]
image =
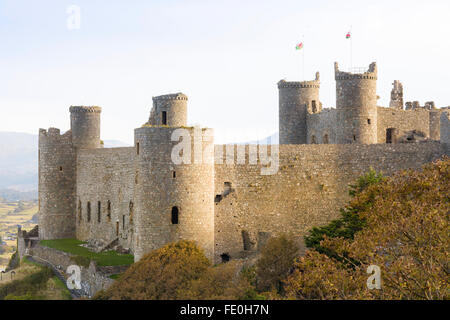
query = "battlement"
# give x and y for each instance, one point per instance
(91, 109)
(300, 84)
(357, 73)
(50, 132)
(173, 96)
(415, 105)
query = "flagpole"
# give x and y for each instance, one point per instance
(351, 47)
(303, 57)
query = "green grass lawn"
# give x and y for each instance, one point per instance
(109, 258)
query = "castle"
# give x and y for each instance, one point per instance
(139, 198)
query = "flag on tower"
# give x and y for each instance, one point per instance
(348, 36)
(299, 46)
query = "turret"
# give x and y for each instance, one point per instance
(356, 104)
(85, 124)
(169, 110)
(57, 180)
(174, 198)
(296, 99)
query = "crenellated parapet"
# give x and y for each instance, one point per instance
(296, 101)
(356, 102)
(169, 110)
(85, 125)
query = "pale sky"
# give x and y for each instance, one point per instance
(227, 56)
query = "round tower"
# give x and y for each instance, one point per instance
(169, 110)
(174, 195)
(295, 100)
(57, 182)
(356, 104)
(85, 124)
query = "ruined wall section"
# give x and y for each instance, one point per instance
(403, 121)
(57, 185)
(173, 201)
(322, 127)
(356, 104)
(296, 100)
(106, 183)
(309, 189)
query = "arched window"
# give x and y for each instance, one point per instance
(175, 213)
(164, 118)
(325, 139)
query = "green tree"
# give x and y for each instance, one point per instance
(350, 221)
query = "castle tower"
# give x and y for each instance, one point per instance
(174, 199)
(356, 104)
(169, 110)
(295, 100)
(57, 181)
(85, 124)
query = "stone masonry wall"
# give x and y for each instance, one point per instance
(403, 120)
(106, 180)
(57, 176)
(310, 187)
(322, 127)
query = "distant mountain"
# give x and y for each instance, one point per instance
(19, 162)
(273, 139)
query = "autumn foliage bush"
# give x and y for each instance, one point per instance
(406, 234)
(400, 224)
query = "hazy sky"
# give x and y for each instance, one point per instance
(227, 56)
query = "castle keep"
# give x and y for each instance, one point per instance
(138, 198)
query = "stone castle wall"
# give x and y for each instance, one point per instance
(322, 127)
(106, 184)
(173, 200)
(310, 187)
(57, 177)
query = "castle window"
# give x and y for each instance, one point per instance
(60, 169)
(80, 208)
(117, 228)
(325, 139)
(314, 106)
(369, 121)
(131, 211)
(136, 177)
(246, 240)
(99, 212)
(137, 148)
(164, 118)
(225, 257)
(174, 174)
(175, 213)
(313, 140)
(354, 138)
(89, 211)
(108, 210)
(123, 222)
